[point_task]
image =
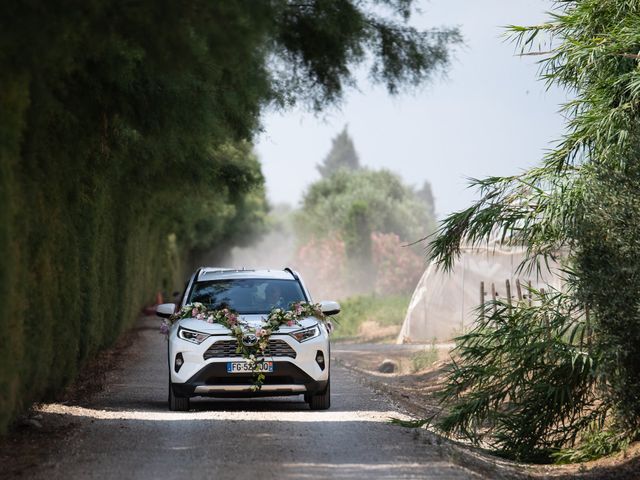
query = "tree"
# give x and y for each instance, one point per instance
(360, 202)
(353, 205)
(426, 194)
(341, 156)
(567, 367)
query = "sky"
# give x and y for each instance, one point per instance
(490, 115)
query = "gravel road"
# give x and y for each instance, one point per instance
(126, 431)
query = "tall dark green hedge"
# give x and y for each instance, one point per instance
(125, 132)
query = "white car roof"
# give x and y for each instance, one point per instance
(213, 273)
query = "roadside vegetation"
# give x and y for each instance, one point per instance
(424, 359)
(371, 318)
(559, 379)
(125, 150)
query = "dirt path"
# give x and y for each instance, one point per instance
(126, 431)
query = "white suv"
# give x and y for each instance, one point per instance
(203, 358)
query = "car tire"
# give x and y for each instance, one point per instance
(320, 401)
(178, 404)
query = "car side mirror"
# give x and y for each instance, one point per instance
(330, 308)
(165, 310)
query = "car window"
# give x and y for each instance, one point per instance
(247, 295)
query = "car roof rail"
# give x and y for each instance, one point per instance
(293, 273)
(202, 270)
(205, 270)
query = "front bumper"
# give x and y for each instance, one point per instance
(201, 376)
(214, 381)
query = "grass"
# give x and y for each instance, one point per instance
(378, 312)
(594, 444)
(424, 358)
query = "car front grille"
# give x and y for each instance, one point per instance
(227, 348)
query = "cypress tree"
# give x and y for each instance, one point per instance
(341, 156)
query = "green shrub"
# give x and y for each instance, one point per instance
(523, 379)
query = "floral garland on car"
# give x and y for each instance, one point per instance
(230, 319)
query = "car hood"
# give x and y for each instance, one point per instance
(253, 320)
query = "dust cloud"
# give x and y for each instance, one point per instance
(329, 272)
(279, 249)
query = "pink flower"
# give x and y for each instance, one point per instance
(164, 329)
(194, 312)
(210, 319)
(200, 316)
(291, 323)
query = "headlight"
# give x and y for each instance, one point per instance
(306, 334)
(192, 336)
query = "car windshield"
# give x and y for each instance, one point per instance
(247, 295)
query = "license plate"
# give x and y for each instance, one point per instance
(243, 367)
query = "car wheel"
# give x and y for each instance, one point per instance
(177, 404)
(320, 401)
